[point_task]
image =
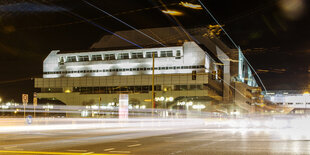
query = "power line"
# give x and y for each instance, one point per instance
(231, 41)
(91, 19)
(102, 28)
(123, 22)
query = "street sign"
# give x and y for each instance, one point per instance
(25, 99)
(29, 119)
(123, 106)
(35, 99)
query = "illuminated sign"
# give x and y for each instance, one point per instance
(123, 106)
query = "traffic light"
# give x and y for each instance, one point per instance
(194, 74)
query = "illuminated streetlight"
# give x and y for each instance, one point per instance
(190, 5)
(172, 12)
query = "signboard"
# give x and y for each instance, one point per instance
(35, 99)
(29, 119)
(25, 99)
(123, 106)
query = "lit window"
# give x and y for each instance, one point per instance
(109, 57)
(96, 57)
(84, 58)
(166, 54)
(136, 55)
(123, 56)
(71, 59)
(150, 54)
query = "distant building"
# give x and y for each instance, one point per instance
(204, 72)
(297, 100)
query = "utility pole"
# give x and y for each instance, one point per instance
(99, 107)
(153, 96)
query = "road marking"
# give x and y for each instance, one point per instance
(77, 150)
(134, 145)
(14, 147)
(109, 149)
(120, 151)
(129, 141)
(55, 153)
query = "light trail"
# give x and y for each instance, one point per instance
(123, 22)
(232, 42)
(43, 124)
(52, 153)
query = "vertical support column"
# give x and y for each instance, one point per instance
(153, 95)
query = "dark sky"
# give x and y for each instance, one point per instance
(274, 34)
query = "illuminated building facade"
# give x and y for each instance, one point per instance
(84, 77)
(297, 100)
(200, 74)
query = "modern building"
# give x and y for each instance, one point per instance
(298, 101)
(187, 73)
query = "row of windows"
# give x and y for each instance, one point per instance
(127, 69)
(124, 89)
(291, 103)
(116, 89)
(131, 89)
(119, 56)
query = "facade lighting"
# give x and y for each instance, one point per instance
(199, 106)
(167, 99)
(172, 12)
(191, 5)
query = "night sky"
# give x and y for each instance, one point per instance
(274, 34)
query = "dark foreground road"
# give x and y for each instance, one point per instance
(157, 140)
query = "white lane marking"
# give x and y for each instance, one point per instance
(13, 147)
(120, 152)
(109, 149)
(134, 145)
(77, 150)
(129, 141)
(175, 152)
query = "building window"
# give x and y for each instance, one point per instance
(83, 58)
(166, 54)
(178, 54)
(71, 59)
(150, 54)
(61, 61)
(136, 55)
(96, 57)
(121, 56)
(109, 57)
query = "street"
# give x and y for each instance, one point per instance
(155, 139)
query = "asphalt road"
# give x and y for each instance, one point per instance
(157, 140)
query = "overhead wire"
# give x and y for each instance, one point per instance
(105, 12)
(91, 19)
(238, 47)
